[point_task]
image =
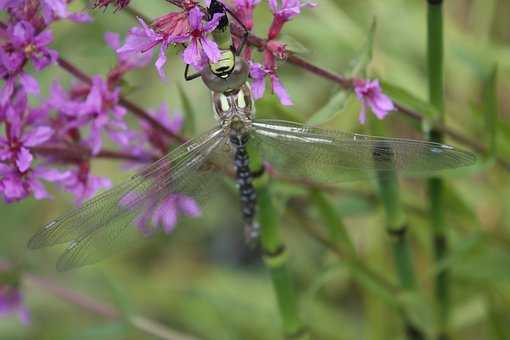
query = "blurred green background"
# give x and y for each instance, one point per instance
(202, 281)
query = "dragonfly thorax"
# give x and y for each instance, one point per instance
(234, 109)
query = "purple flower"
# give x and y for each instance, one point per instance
(126, 61)
(16, 186)
(258, 74)
(23, 44)
(141, 41)
(82, 184)
(173, 28)
(163, 213)
(244, 11)
(283, 13)
(100, 102)
(57, 9)
(15, 146)
(168, 210)
(201, 49)
(11, 302)
(371, 96)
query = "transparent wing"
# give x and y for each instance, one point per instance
(108, 223)
(324, 155)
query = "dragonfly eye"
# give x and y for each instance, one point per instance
(225, 64)
(227, 80)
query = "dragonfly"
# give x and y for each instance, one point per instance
(106, 224)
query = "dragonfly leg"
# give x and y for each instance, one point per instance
(246, 33)
(189, 77)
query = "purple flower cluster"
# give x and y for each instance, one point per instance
(184, 27)
(56, 141)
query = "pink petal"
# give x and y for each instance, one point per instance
(24, 159)
(258, 87)
(38, 190)
(44, 38)
(94, 141)
(273, 5)
(23, 32)
(362, 114)
(13, 189)
(170, 219)
(211, 25)
(280, 91)
(112, 39)
(161, 61)
(195, 18)
(211, 50)
(191, 54)
(51, 175)
(37, 136)
(6, 92)
(189, 206)
(29, 83)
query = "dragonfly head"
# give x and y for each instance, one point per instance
(228, 74)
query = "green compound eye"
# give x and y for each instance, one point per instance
(225, 65)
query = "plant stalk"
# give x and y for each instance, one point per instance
(397, 229)
(275, 258)
(436, 185)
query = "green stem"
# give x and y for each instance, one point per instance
(275, 258)
(397, 227)
(435, 185)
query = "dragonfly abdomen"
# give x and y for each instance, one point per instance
(244, 178)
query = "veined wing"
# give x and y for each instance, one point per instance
(106, 223)
(325, 155)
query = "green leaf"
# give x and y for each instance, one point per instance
(362, 60)
(408, 100)
(189, 113)
(490, 109)
(335, 105)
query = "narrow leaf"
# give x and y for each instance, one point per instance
(332, 219)
(362, 60)
(335, 105)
